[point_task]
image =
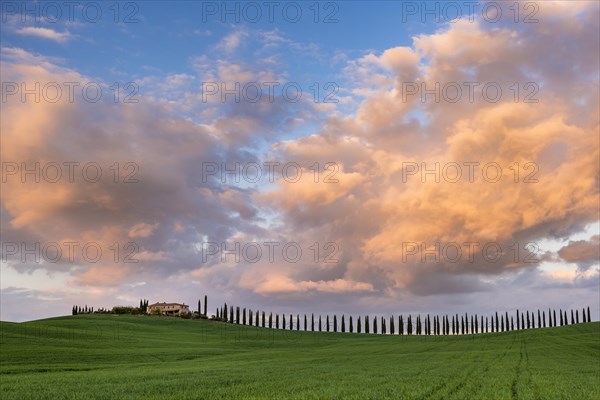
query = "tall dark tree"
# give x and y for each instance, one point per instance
(205, 304)
(375, 325)
(543, 319)
(550, 324)
(462, 325)
(276, 321)
(506, 320)
(512, 323)
(409, 325)
(528, 322)
(283, 321)
(366, 324)
(383, 327)
(270, 320)
(588, 315)
(297, 322)
(351, 325)
(291, 322)
(358, 327)
(305, 323)
(237, 315)
(583, 315)
(554, 318)
(250, 317)
(572, 318)
(224, 313)
(218, 314)
(566, 318)
(518, 324)
(392, 330)
(320, 324)
(335, 323)
(263, 319)
(501, 324)
(244, 316)
(312, 322)
(400, 325)
(327, 323)
(343, 324)
(486, 325)
(577, 316)
(497, 322)
(539, 319)
(522, 321)
(453, 326)
(231, 314)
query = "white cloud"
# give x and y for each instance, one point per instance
(46, 33)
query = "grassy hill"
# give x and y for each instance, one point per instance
(140, 357)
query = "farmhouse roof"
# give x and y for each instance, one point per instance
(168, 304)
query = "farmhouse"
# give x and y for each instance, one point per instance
(168, 308)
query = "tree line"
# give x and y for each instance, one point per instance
(455, 324)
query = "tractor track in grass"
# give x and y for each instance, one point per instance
(446, 390)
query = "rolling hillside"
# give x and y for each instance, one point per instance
(128, 357)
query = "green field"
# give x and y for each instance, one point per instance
(141, 357)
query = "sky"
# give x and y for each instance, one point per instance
(300, 157)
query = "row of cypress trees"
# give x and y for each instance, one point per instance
(421, 325)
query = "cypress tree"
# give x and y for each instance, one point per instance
(358, 327)
(237, 315)
(375, 325)
(583, 315)
(270, 320)
(199, 307)
(462, 325)
(539, 319)
(335, 323)
(475, 320)
(518, 325)
(291, 322)
(305, 324)
(572, 319)
(409, 327)
(482, 324)
(351, 326)
(276, 321)
(528, 323)
(263, 319)
(343, 324)
(448, 324)
(257, 317)
(512, 324)
(383, 327)
(320, 324)
(312, 322)
(366, 324)
(576, 316)
(297, 322)
(588, 315)
(283, 321)
(218, 314)
(566, 318)
(231, 314)
(244, 317)
(501, 324)
(549, 318)
(327, 323)
(392, 330)
(453, 326)
(522, 321)
(224, 312)
(497, 322)
(250, 317)
(205, 304)
(400, 325)
(543, 319)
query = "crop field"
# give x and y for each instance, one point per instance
(141, 357)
